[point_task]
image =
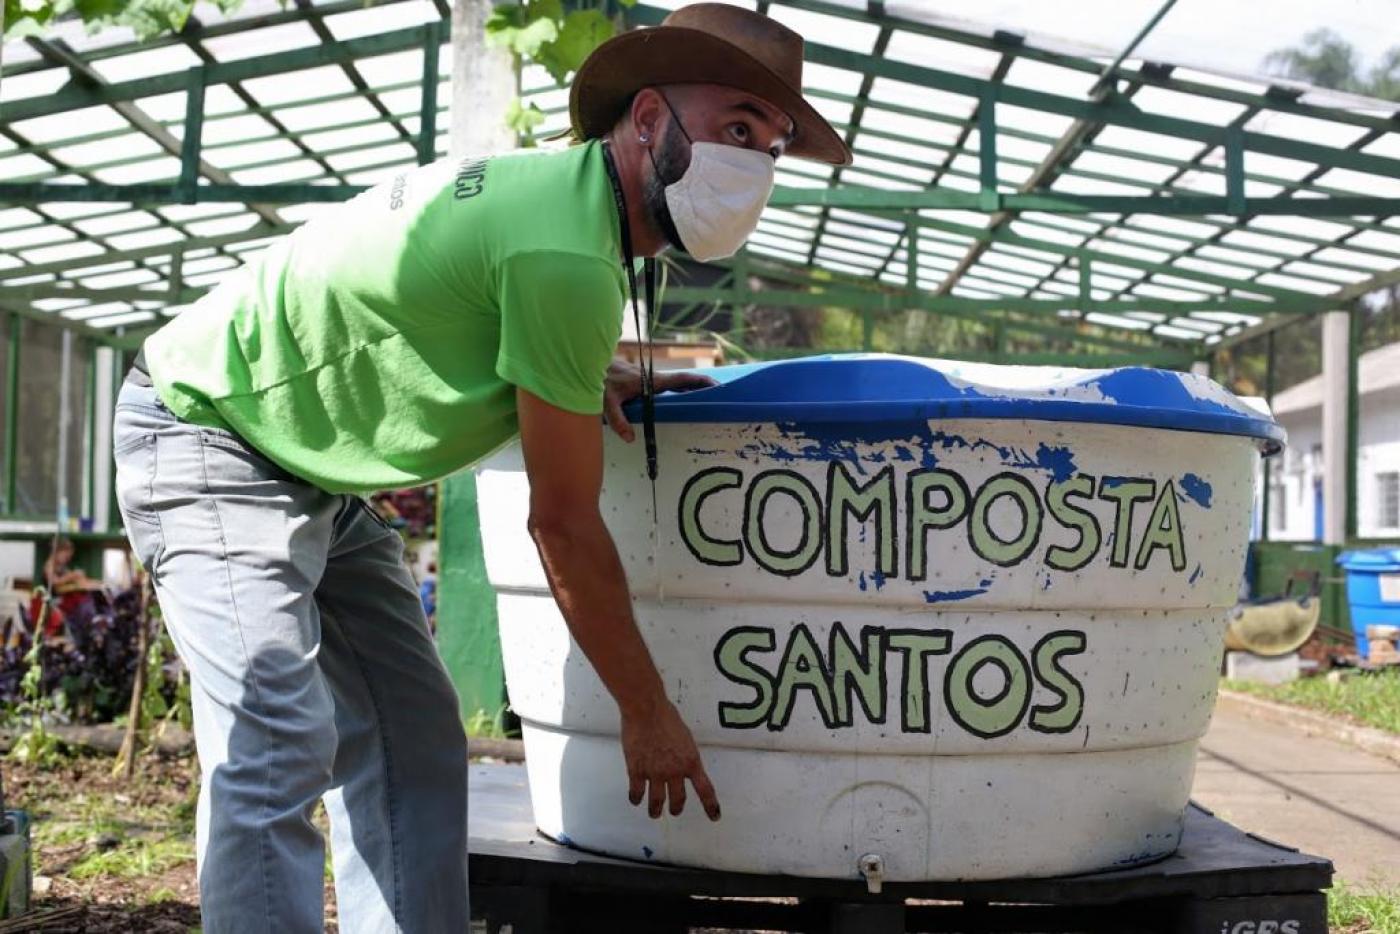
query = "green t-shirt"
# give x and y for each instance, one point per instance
(380, 344)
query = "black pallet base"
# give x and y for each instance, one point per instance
(1221, 881)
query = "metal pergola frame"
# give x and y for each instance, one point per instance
(1116, 221)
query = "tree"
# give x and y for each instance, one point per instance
(1326, 60)
(1329, 61)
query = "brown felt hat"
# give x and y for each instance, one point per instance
(710, 43)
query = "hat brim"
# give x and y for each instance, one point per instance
(644, 58)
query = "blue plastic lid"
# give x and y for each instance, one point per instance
(873, 388)
(1371, 559)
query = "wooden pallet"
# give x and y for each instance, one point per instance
(1221, 878)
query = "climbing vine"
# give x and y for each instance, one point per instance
(147, 18)
(542, 32)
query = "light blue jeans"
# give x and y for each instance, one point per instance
(314, 678)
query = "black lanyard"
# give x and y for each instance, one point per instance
(647, 361)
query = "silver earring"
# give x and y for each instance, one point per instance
(645, 139)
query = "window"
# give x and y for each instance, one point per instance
(1278, 499)
(1389, 499)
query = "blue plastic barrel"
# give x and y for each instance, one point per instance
(1373, 590)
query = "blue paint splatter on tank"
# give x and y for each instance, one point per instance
(1196, 488)
(878, 578)
(1046, 585)
(1059, 461)
(948, 596)
(647, 852)
(1195, 575)
(862, 582)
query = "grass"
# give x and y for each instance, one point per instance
(134, 858)
(1363, 911)
(1373, 700)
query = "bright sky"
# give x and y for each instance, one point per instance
(1224, 35)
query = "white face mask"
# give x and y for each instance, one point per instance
(715, 204)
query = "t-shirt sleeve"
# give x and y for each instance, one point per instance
(561, 317)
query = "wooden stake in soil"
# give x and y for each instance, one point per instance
(126, 756)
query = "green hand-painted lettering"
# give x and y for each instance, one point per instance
(916, 646)
(923, 517)
(1057, 497)
(1163, 531)
(730, 658)
(876, 498)
(995, 716)
(1125, 494)
(769, 484)
(1064, 714)
(802, 668)
(706, 548)
(985, 541)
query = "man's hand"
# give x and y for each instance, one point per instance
(625, 384)
(660, 752)
(564, 461)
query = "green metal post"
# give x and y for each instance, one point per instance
(1353, 419)
(89, 505)
(193, 130)
(988, 197)
(427, 125)
(1086, 294)
(12, 418)
(867, 331)
(1234, 170)
(1268, 461)
(467, 632)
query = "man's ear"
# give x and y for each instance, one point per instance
(647, 110)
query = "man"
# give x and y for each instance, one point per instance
(393, 341)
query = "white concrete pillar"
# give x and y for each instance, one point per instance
(1336, 332)
(1201, 368)
(105, 383)
(483, 84)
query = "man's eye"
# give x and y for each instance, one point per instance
(741, 132)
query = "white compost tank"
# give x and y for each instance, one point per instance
(964, 618)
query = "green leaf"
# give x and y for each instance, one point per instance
(150, 18)
(582, 32)
(26, 17)
(522, 119)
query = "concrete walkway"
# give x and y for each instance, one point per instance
(1320, 796)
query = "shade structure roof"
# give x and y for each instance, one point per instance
(1047, 186)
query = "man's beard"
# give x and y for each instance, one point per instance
(669, 162)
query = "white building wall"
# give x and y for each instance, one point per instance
(1296, 474)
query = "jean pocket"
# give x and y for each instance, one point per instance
(135, 457)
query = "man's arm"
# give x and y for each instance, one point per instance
(564, 461)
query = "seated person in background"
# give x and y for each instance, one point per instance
(68, 588)
(60, 577)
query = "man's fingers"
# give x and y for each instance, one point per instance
(706, 791)
(682, 382)
(636, 787)
(612, 411)
(657, 800)
(675, 789)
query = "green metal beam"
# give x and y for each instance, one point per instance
(1012, 46)
(74, 96)
(1051, 202)
(256, 232)
(853, 197)
(1111, 111)
(866, 303)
